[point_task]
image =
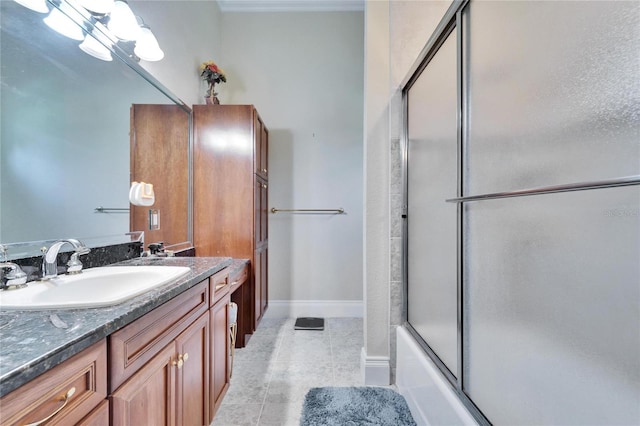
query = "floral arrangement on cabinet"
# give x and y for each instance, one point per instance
(212, 74)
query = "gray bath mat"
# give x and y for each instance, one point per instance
(355, 406)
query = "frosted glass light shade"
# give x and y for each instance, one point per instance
(93, 47)
(101, 7)
(147, 47)
(35, 5)
(123, 23)
(61, 23)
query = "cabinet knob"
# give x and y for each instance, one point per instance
(65, 399)
(178, 363)
(264, 171)
(264, 185)
(185, 356)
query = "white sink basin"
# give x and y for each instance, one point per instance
(95, 287)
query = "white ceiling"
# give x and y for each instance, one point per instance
(291, 5)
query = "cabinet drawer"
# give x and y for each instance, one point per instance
(133, 346)
(239, 277)
(219, 285)
(70, 390)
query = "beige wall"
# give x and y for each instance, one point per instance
(189, 33)
(397, 32)
(304, 74)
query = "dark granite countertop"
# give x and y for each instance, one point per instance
(32, 342)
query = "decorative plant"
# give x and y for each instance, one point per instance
(212, 74)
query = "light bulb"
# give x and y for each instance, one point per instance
(122, 22)
(61, 23)
(35, 5)
(100, 7)
(93, 47)
(147, 47)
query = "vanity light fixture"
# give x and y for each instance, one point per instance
(147, 47)
(122, 22)
(108, 24)
(39, 6)
(59, 20)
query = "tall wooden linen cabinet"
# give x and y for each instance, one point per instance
(230, 193)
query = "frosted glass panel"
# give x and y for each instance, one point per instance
(552, 308)
(432, 177)
(554, 93)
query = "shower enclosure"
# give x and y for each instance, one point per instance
(522, 237)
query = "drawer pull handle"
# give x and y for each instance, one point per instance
(219, 286)
(65, 398)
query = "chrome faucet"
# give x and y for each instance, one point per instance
(50, 258)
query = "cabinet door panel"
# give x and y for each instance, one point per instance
(264, 270)
(219, 351)
(148, 397)
(193, 376)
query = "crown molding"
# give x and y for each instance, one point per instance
(291, 5)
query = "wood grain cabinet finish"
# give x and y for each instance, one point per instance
(164, 358)
(220, 352)
(98, 417)
(71, 390)
(134, 345)
(230, 189)
(160, 155)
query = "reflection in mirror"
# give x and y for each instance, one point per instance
(64, 145)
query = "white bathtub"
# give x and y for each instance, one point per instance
(428, 394)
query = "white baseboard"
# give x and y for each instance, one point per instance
(376, 369)
(315, 308)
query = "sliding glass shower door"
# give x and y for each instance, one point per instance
(431, 171)
(552, 281)
(523, 210)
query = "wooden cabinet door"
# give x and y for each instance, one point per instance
(192, 348)
(219, 352)
(260, 286)
(260, 201)
(261, 147)
(257, 287)
(264, 294)
(148, 397)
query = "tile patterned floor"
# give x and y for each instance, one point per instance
(273, 373)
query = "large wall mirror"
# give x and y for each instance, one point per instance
(65, 134)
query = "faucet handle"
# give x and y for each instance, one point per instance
(15, 278)
(74, 266)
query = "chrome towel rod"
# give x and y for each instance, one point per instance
(110, 209)
(611, 183)
(335, 211)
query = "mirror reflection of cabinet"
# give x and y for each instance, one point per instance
(64, 148)
(159, 155)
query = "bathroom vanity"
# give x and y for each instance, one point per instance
(132, 363)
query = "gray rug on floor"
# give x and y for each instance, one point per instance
(351, 406)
